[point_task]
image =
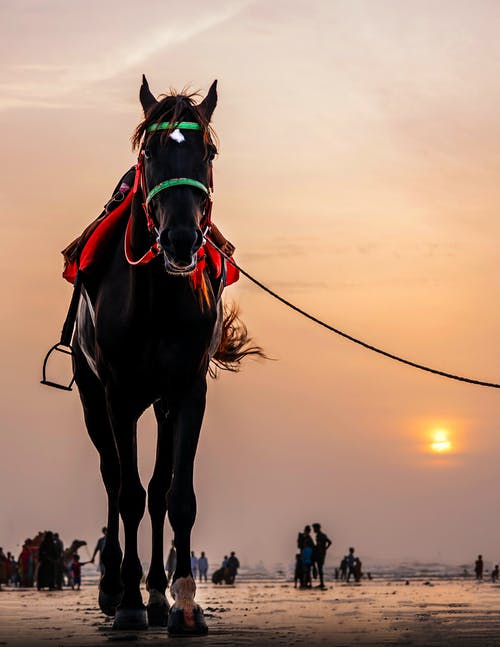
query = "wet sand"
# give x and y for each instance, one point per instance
(455, 614)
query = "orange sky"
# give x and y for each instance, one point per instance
(358, 176)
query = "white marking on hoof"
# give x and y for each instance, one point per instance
(183, 591)
(177, 136)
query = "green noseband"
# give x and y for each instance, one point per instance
(179, 181)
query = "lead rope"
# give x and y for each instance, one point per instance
(396, 358)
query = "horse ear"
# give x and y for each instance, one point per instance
(146, 97)
(207, 106)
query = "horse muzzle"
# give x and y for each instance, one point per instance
(180, 247)
(179, 268)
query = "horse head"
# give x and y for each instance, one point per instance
(175, 158)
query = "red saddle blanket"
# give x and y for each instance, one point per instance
(85, 254)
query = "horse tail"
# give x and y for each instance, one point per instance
(235, 343)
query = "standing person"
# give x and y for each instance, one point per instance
(14, 570)
(4, 568)
(350, 561)
(171, 562)
(478, 567)
(46, 575)
(194, 565)
(495, 573)
(343, 568)
(306, 544)
(233, 564)
(203, 566)
(76, 570)
(323, 543)
(59, 564)
(357, 570)
(99, 547)
(25, 566)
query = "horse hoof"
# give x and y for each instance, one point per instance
(177, 626)
(126, 619)
(109, 601)
(157, 615)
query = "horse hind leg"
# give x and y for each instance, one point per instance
(158, 607)
(100, 432)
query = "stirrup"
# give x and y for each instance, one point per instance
(60, 348)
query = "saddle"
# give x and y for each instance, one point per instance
(86, 253)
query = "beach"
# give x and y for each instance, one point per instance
(271, 612)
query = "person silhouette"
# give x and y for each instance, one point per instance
(323, 543)
(203, 566)
(478, 567)
(350, 563)
(99, 547)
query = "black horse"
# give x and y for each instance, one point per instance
(146, 331)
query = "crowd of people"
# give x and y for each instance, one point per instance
(310, 560)
(199, 567)
(43, 562)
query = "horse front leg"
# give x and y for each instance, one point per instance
(131, 612)
(99, 429)
(185, 616)
(156, 581)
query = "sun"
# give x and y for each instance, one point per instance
(440, 441)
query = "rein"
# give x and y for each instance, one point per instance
(140, 180)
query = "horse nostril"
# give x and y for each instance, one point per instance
(165, 240)
(198, 241)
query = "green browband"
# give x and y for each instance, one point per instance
(178, 181)
(165, 125)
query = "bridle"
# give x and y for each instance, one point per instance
(140, 181)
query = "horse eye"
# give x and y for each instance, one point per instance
(147, 153)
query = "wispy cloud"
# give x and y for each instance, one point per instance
(46, 85)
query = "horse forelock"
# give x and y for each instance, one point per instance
(175, 107)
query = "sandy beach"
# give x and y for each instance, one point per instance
(272, 612)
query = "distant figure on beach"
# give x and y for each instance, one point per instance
(47, 558)
(4, 568)
(194, 565)
(59, 563)
(25, 566)
(323, 543)
(99, 547)
(494, 574)
(227, 572)
(233, 564)
(171, 563)
(305, 544)
(343, 568)
(478, 567)
(203, 566)
(76, 571)
(357, 570)
(12, 571)
(350, 560)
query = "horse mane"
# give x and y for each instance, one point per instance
(175, 107)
